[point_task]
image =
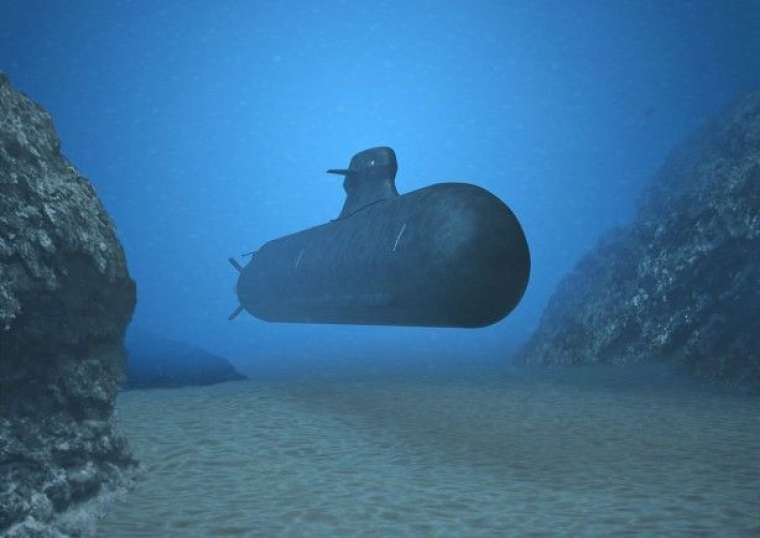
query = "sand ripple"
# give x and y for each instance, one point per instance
(438, 459)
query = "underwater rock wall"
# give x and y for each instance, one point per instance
(681, 283)
(65, 300)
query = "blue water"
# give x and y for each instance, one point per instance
(206, 129)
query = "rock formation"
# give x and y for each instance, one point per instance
(682, 282)
(65, 301)
(159, 362)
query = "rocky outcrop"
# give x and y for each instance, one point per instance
(65, 301)
(156, 362)
(682, 282)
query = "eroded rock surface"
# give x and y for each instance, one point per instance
(682, 282)
(65, 300)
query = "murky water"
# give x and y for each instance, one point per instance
(445, 458)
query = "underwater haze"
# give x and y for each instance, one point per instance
(206, 129)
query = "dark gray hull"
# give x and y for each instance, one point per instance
(448, 255)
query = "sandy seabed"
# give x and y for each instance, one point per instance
(438, 458)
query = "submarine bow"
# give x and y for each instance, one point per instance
(447, 255)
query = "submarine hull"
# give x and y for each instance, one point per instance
(447, 255)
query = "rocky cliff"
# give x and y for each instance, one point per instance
(65, 301)
(682, 282)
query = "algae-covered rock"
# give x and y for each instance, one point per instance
(682, 282)
(65, 300)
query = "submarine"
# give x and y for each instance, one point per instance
(446, 255)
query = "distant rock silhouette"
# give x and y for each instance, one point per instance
(65, 300)
(153, 362)
(681, 283)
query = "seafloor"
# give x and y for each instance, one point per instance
(509, 457)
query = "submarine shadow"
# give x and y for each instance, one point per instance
(505, 433)
(603, 433)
